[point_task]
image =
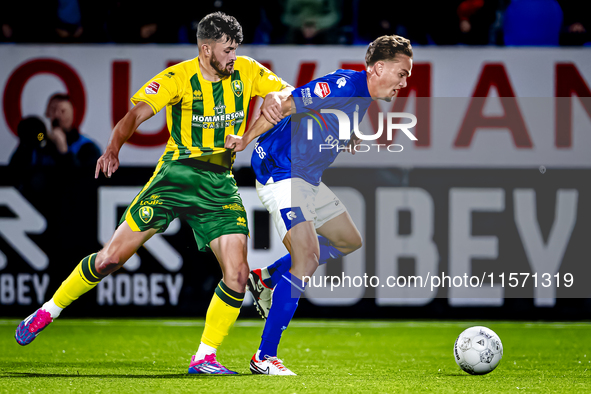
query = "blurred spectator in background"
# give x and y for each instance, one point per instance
(35, 158)
(312, 21)
(41, 21)
(150, 22)
(35, 149)
(476, 18)
(69, 20)
(532, 22)
(65, 135)
(27, 21)
(577, 22)
(424, 23)
(247, 13)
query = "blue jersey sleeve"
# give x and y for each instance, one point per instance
(325, 92)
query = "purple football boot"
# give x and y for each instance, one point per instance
(209, 365)
(32, 326)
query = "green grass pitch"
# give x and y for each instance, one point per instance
(332, 356)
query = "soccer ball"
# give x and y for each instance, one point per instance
(478, 350)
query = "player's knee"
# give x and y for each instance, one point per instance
(350, 244)
(355, 243)
(106, 263)
(242, 275)
(237, 277)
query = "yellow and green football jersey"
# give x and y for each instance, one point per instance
(199, 113)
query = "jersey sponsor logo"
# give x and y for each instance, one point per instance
(146, 214)
(292, 216)
(259, 150)
(152, 88)
(220, 109)
(306, 96)
(154, 199)
(322, 89)
(153, 202)
(234, 207)
(218, 121)
(197, 95)
(341, 82)
(237, 87)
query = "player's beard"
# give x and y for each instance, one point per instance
(217, 66)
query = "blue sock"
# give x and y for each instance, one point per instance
(327, 251)
(278, 268)
(283, 265)
(285, 302)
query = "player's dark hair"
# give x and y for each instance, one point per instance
(217, 25)
(386, 48)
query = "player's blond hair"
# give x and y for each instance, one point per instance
(386, 48)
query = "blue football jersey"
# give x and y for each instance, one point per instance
(300, 145)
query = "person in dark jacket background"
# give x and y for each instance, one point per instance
(65, 134)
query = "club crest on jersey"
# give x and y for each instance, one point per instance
(322, 89)
(237, 87)
(152, 88)
(146, 214)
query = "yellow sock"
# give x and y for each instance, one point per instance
(221, 315)
(82, 279)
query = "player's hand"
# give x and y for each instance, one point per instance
(353, 142)
(271, 108)
(235, 142)
(108, 163)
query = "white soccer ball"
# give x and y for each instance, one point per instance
(478, 350)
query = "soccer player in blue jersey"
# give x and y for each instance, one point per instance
(288, 162)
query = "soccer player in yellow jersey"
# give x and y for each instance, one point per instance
(206, 99)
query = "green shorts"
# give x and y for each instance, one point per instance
(204, 195)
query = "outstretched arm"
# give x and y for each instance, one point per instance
(272, 105)
(261, 126)
(108, 163)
